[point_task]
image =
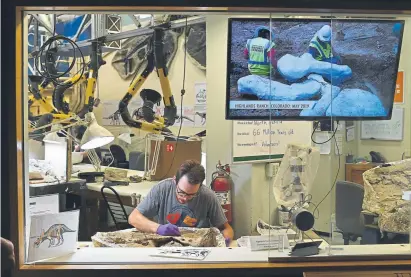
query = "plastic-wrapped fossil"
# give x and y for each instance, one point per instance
(205, 237)
(196, 45)
(136, 48)
(384, 187)
(138, 59)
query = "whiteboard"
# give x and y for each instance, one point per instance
(258, 141)
(392, 129)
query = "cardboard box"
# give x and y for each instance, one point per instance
(172, 155)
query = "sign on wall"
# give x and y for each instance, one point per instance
(111, 115)
(399, 88)
(392, 129)
(200, 91)
(259, 141)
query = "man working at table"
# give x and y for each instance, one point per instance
(181, 201)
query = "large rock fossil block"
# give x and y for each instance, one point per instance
(205, 237)
(384, 187)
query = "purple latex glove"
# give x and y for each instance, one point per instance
(227, 241)
(168, 230)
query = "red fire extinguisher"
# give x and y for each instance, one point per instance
(221, 184)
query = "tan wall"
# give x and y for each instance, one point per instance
(393, 150)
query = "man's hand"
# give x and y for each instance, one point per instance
(227, 242)
(228, 234)
(168, 230)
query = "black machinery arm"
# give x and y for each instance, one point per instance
(96, 61)
(170, 109)
(152, 123)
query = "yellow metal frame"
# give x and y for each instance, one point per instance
(49, 107)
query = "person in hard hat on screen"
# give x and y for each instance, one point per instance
(320, 46)
(260, 52)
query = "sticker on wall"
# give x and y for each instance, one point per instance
(200, 116)
(170, 148)
(187, 117)
(200, 91)
(111, 115)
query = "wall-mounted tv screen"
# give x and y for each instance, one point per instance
(311, 69)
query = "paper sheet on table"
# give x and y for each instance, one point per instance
(187, 253)
(320, 138)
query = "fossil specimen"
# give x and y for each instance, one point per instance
(205, 237)
(114, 174)
(384, 187)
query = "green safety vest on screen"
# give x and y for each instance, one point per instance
(325, 53)
(258, 61)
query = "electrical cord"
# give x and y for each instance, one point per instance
(183, 91)
(316, 209)
(315, 127)
(338, 171)
(54, 30)
(51, 76)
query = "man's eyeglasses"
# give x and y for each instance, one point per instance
(184, 194)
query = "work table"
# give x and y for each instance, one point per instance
(130, 195)
(218, 255)
(134, 192)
